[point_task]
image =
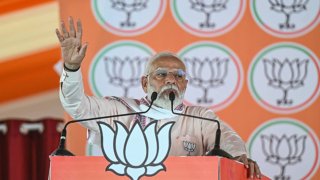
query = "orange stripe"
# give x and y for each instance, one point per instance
(12, 5)
(29, 75)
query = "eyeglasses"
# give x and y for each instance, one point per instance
(162, 73)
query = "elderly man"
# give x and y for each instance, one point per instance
(164, 73)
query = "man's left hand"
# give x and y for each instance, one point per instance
(251, 165)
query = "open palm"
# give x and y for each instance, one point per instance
(73, 52)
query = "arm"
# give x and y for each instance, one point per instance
(72, 95)
(232, 143)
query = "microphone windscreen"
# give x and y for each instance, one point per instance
(154, 96)
(172, 96)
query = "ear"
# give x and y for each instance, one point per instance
(144, 83)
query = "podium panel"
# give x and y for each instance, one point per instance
(186, 168)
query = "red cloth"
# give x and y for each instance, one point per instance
(26, 156)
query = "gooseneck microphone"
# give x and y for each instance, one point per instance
(216, 151)
(62, 151)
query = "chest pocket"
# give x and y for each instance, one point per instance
(187, 146)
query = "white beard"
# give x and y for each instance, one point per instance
(163, 100)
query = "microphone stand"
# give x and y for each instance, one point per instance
(62, 151)
(216, 151)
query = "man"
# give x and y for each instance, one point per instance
(164, 73)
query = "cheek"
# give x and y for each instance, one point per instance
(182, 86)
(156, 85)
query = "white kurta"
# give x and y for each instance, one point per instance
(199, 133)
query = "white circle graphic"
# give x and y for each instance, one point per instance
(285, 148)
(286, 19)
(284, 78)
(117, 68)
(207, 18)
(214, 72)
(127, 17)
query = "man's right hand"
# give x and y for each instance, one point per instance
(73, 52)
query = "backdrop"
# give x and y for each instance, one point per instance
(255, 63)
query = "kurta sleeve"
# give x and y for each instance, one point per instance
(77, 104)
(230, 141)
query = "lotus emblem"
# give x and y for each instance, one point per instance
(208, 7)
(207, 73)
(137, 152)
(283, 151)
(288, 7)
(285, 75)
(124, 72)
(189, 147)
(129, 6)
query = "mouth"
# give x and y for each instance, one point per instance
(168, 91)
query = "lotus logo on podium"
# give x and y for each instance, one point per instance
(137, 152)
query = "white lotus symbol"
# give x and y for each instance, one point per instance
(137, 152)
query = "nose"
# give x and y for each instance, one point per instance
(170, 79)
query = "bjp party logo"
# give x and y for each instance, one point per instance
(137, 152)
(207, 18)
(214, 72)
(284, 78)
(286, 18)
(117, 68)
(128, 17)
(285, 149)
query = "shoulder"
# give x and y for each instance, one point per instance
(121, 101)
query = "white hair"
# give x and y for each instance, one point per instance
(164, 54)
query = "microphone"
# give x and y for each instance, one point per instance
(216, 151)
(62, 151)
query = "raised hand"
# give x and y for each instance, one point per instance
(73, 51)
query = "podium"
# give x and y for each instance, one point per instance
(185, 168)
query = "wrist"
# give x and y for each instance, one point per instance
(70, 69)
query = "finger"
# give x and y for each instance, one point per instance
(64, 30)
(71, 27)
(79, 30)
(251, 168)
(83, 50)
(60, 37)
(244, 160)
(257, 170)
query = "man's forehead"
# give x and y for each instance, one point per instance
(168, 62)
